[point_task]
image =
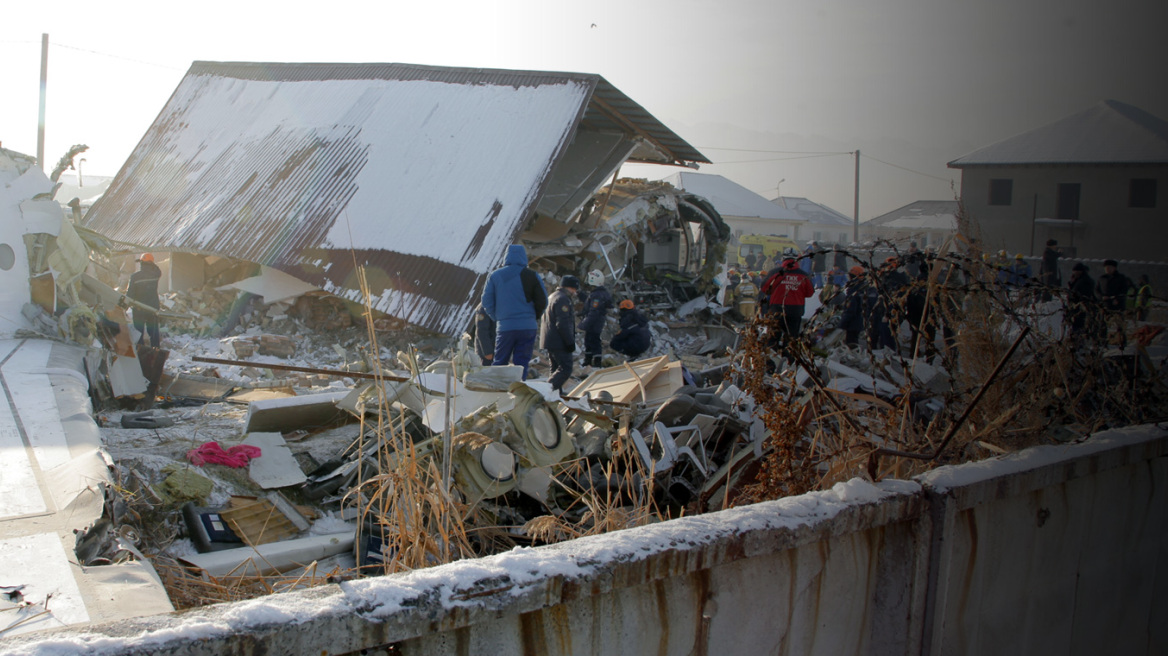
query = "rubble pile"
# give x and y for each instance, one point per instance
(411, 454)
(288, 438)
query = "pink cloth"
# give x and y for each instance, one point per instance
(211, 452)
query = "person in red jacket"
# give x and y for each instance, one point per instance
(787, 289)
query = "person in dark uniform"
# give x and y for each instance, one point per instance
(143, 288)
(1113, 288)
(595, 312)
(1080, 300)
(482, 331)
(558, 331)
(633, 338)
(856, 303)
(1048, 270)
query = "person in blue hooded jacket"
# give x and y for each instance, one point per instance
(515, 298)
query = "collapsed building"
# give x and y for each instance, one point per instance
(313, 323)
(421, 176)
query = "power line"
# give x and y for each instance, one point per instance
(779, 152)
(92, 52)
(895, 166)
(106, 54)
(782, 159)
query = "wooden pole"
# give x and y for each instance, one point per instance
(44, 85)
(856, 207)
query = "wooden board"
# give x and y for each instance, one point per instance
(257, 521)
(628, 383)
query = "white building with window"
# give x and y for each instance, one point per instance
(1095, 181)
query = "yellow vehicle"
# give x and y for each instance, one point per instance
(764, 248)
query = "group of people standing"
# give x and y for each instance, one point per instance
(516, 310)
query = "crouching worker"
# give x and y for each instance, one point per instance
(633, 338)
(558, 331)
(595, 312)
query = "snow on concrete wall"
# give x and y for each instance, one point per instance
(1045, 551)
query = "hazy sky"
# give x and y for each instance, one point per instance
(762, 88)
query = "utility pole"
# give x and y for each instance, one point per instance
(44, 84)
(856, 207)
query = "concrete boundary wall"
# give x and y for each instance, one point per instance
(1050, 550)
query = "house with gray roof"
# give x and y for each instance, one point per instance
(926, 222)
(823, 225)
(1093, 181)
(746, 212)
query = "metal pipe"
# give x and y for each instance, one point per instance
(306, 370)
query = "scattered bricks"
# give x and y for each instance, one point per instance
(277, 346)
(274, 345)
(322, 313)
(243, 349)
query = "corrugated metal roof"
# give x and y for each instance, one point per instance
(609, 109)
(730, 198)
(1108, 133)
(421, 175)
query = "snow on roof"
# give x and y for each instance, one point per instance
(422, 175)
(1108, 133)
(730, 198)
(919, 215)
(812, 211)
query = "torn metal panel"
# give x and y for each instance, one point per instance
(273, 286)
(52, 468)
(316, 169)
(286, 414)
(275, 466)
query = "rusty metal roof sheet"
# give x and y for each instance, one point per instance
(421, 176)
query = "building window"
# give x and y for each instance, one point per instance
(1001, 191)
(1068, 201)
(1142, 192)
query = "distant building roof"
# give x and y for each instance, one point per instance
(1108, 133)
(422, 175)
(730, 198)
(812, 211)
(921, 215)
